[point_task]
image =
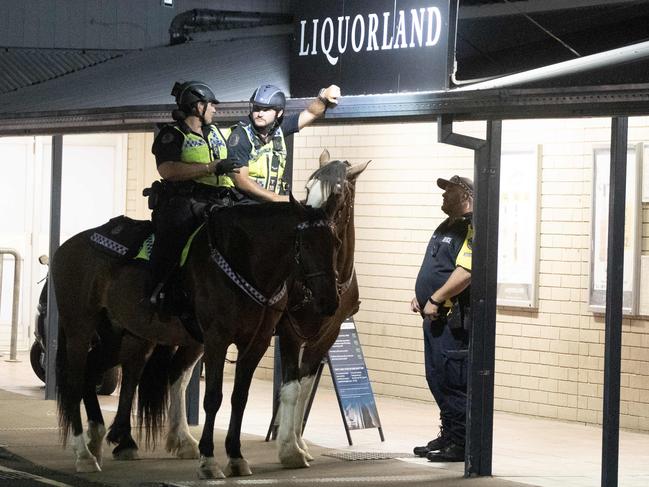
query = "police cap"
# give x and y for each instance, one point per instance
(465, 183)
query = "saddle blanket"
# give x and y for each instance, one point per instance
(125, 238)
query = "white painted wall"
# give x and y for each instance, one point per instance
(93, 190)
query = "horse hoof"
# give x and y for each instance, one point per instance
(238, 467)
(208, 469)
(308, 457)
(87, 465)
(188, 452)
(186, 449)
(294, 461)
(127, 454)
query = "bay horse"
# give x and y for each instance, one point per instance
(302, 331)
(235, 272)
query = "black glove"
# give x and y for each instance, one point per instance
(225, 166)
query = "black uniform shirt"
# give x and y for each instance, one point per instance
(441, 257)
(240, 148)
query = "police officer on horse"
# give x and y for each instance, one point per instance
(258, 144)
(190, 155)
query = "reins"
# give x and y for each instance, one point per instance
(253, 293)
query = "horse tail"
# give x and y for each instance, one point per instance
(153, 393)
(65, 405)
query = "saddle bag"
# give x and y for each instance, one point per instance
(121, 237)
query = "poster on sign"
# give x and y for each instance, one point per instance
(351, 381)
(372, 46)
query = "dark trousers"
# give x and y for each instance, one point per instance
(175, 220)
(446, 361)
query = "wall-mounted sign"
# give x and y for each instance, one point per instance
(518, 227)
(599, 230)
(372, 46)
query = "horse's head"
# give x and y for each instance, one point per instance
(314, 254)
(332, 187)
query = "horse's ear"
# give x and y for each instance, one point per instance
(292, 199)
(324, 157)
(354, 171)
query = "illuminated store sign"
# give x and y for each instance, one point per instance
(372, 46)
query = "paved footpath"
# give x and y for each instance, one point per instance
(31, 455)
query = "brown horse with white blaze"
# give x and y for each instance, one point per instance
(302, 329)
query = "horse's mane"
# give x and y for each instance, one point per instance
(331, 174)
(249, 218)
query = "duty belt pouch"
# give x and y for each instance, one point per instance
(459, 317)
(155, 194)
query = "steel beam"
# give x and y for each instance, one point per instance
(482, 346)
(52, 319)
(497, 104)
(614, 296)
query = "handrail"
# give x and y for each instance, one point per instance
(16, 300)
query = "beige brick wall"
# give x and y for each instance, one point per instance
(549, 360)
(141, 172)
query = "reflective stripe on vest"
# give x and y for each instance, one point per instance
(267, 161)
(195, 150)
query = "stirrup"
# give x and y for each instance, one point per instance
(157, 296)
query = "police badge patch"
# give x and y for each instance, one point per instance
(167, 138)
(233, 140)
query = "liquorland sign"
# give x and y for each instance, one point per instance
(372, 46)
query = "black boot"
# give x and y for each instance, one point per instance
(450, 453)
(433, 445)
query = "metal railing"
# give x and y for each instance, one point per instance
(16, 298)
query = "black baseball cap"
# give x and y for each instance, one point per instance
(465, 183)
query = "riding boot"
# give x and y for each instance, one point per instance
(161, 297)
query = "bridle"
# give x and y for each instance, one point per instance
(341, 288)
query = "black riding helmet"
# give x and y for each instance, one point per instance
(189, 93)
(268, 96)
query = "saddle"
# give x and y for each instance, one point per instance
(121, 237)
(126, 239)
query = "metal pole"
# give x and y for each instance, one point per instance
(482, 346)
(614, 297)
(52, 319)
(15, 305)
(604, 59)
(193, 394)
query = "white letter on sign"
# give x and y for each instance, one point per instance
(303, 51)
(314, 51)
(386, 20)
(434, 11)
(417, 27)
(372, 45)
(326, 49)
(358, 20)
(401, 32)
(343, 48)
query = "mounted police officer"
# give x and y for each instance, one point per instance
(258, 145)
(190, 155)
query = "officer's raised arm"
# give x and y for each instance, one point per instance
(327, 98)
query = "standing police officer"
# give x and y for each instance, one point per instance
(442, 298)
(190, 154)
(258, 144)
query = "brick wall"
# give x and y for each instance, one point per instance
(549, 360)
